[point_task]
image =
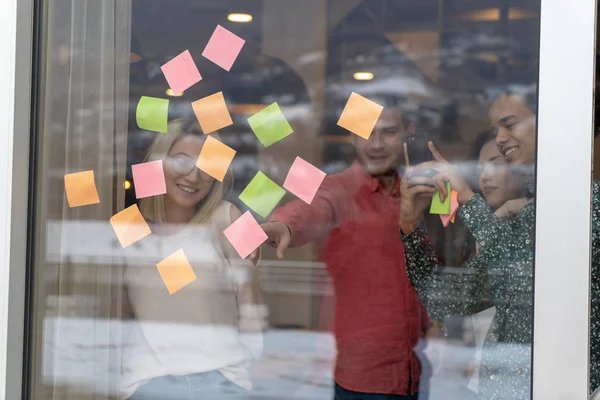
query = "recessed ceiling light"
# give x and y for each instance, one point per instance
(239, 17)
(363, 76)
(169, 92)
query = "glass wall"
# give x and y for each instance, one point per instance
(187, 245)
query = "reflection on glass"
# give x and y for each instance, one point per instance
(365, 291)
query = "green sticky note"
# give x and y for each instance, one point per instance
(270, 125)
(152, 114)
(262, 194)
(437, 207)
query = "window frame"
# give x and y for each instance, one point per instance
(563, 239)
(561, 322)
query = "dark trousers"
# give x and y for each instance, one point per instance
(345, 394)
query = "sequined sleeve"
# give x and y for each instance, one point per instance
(421, 260)
(464, 291)
(500, 239)
(595, 292)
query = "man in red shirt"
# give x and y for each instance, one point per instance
(354, 219)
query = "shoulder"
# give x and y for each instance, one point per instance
(234, 211)
(225, 213)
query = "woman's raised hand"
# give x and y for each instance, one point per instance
(447, 173)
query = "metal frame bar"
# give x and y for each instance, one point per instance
(563, 200)
(16, 29)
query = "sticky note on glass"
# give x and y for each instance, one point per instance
(245, 235)
(152, 114)
(360, 115)
(212, 113)
(149, 179)
(215, 158)
(129, 226)
(262, 194)
(181, 72)
(176, 271)
(437, 207)
(304, 180)
(80, 188)
(270, 125)
(223, 47)
(446, 219)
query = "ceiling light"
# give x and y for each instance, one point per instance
(239, 17)
(363, 76)
(169, 92)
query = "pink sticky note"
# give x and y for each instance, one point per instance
(223, 47)
(149, 179)
(245, 235)
(304, 180)
(181, 72)
(446, 219)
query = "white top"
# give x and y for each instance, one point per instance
(213, 323)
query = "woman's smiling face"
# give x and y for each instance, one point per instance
(496, 181)
(186, 184)
(514, 125)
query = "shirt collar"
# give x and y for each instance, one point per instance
(373, 183)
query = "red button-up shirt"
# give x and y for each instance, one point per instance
(378, 318)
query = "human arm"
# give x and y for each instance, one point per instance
(298, 223)
(422, 265)
(463, 293)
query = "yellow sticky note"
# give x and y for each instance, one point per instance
(81, 189)
(360, 115)
(215, 158)
(176, 271)
(212, 113)
(129, 226)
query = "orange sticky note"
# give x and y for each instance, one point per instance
(360, 115)
(129, 226)
(447, 218)
(215, 158)
(212, 112)
(176, 271)
(81, 189)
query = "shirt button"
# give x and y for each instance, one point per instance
(493, 377)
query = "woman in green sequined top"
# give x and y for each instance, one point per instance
(505, 257)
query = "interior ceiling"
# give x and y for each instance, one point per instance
(167, 27)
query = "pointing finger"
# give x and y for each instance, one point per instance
(436, 153)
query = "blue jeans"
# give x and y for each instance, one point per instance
(345, 394)
(205, 386)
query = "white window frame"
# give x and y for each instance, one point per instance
(562, 257)
(16, 30)
(563, 197)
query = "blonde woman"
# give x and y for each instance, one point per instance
(198, 342)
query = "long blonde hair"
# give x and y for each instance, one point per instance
(153, 208)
